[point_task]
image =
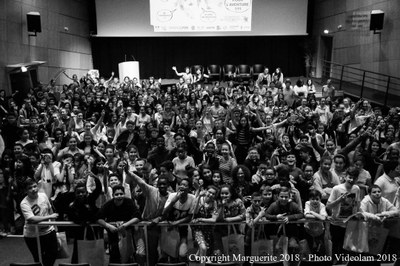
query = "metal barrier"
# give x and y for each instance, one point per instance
(376, 87)
(165, 224)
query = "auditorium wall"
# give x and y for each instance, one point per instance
(60, 48)
(158, 54)
(353, 43)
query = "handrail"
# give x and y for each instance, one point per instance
(359, 69)
(299, 221)
(381, 87)
(166, 224)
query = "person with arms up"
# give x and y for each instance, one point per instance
(155, 198)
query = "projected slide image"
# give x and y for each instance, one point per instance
(200, 15)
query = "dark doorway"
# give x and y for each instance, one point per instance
(326, 46)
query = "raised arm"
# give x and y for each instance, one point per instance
(142, 184)
(177, 73)
(67, 75)
(280, 124)
(99, 122)
(112, 76)
(315, 144)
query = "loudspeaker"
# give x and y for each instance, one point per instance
(376, 20)
(33, 22)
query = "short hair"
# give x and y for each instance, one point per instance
(304, 136)
(178, 135)
(325, 158)
(314, 194)
(283, 172)
(163, 177)
(266, 189)
(67, 155)
(390, 166)
(29, 182)
(80, 185)
(360, 158)
(19, 144)
(284, 189)
(118, 187)
(130, 122)
(372, 187)
(45, 151)
(255, 195)
(353, 171)
(131, 147)
(185, 178)
(167, 165)
(341, 156)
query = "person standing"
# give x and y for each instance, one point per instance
(328, 90)
(155, 199)
(36, 208)
(119, 209)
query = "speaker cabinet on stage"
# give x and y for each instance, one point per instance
(377, 17)
(33, 22)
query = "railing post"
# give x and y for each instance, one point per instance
(341, 78)
(362, 85)
(39, 248)
(146, 240)
(387, 91)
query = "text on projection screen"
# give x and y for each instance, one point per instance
(200, 15)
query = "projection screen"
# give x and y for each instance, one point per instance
(157, 18)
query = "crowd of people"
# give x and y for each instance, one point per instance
(118, 152)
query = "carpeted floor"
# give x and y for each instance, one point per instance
(13, 249)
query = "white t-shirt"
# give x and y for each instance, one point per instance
(349, 207)
(47, 179)
(389, 187)
(180, 165)
(36, 207)
(179, 210)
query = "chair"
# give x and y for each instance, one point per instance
(244, 72)
(74, 264)
(214, 71)
(257, 70)
(194, 68)
(172, 264)
(26, 264)
(123, 264)
(226, 69)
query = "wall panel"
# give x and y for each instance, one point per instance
(59, 48)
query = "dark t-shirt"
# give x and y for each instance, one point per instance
(112, 213)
